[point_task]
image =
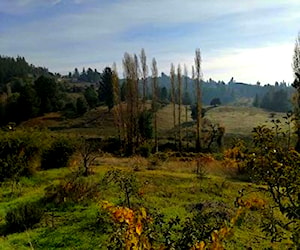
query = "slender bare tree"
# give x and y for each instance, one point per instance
(132, 111)
(296, 85)
(154, 100)
(173, 97)
(179, 81)
(186, 105)
(136, 99)
(144, 66)
(117, 101)
(199, 101)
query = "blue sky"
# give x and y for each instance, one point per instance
(250, 40)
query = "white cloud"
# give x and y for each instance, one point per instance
(93, 36)
(265, 64)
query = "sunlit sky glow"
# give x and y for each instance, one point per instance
(250, 40)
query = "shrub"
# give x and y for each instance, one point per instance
(111, 145)
(18, 150)
(145, 150)
(73, 188)
(23, 217)
(126, 182)
(58, 155)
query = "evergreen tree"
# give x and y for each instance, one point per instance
(256, 102)
(81, 105)
(48, 93)
(91, 97)
(28, 102)
(106, 92)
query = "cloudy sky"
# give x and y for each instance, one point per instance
(249, 40)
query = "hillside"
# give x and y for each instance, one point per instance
(241, 120)
(98, 122)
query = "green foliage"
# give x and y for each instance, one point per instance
(256, 101)
(215, 102)
(59, 154)
(81, 105)
(88, 149)
(145, 125)
(274, 165)
(145, 150)
(106, 92)
(48, 92)
(28, 102)
(23, 216)
(70, 110)
(126, 182)
(91, 97)
(18, 150)
(13, 67)
(275, 100)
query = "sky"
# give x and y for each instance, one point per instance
(250, 40)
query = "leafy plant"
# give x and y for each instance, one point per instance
(89, 150)
(23, 216)
(58, 155)
(277, 167)
(18, 152)
(126, 182)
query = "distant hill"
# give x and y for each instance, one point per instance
(11, 68)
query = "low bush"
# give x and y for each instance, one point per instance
(111, 145)
(73, 188)
(145, 150)
(18, 152)
(23, 216)
(58, 155)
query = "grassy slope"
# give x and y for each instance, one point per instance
(241, 120)
(98, 122)
(172, 188)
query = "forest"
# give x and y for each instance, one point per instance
(90, 160)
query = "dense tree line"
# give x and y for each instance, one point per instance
(89, 75)
(275, 99)
(11, 68)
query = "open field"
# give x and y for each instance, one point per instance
(238, 121)
(170, 188)
(241, 120)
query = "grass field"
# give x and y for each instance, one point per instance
(241, 120)
(171, 188)
(98, 122)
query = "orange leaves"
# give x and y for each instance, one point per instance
(134, 238)
(139, 227)
(252, 203)
(199, 246)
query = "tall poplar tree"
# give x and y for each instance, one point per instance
(118, 112)
(198, 96)
(154, 99)
(173, 96)
(186, 104)
(131, 98)
(179, 81)
(144, 66)
(296, 85)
